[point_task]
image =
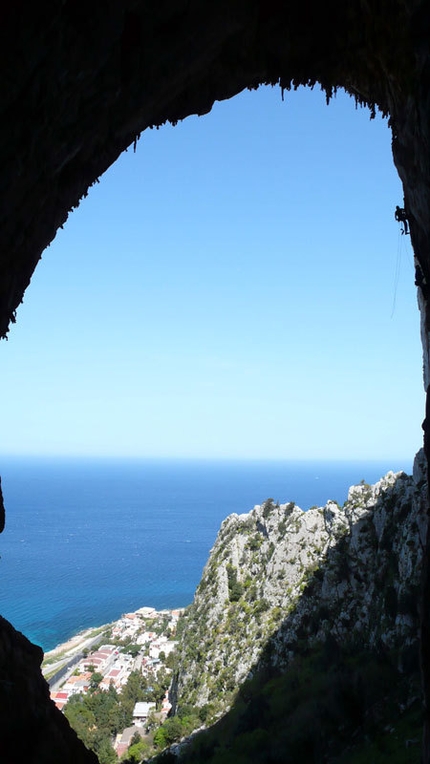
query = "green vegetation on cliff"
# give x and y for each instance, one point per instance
(330, 705)
(302, 640)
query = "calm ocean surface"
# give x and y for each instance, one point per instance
(86, 541)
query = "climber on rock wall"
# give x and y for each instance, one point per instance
(401, 217)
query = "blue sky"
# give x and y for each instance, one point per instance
(235, 288)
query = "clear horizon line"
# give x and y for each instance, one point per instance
(204, 458)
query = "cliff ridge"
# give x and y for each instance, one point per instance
(280, 580)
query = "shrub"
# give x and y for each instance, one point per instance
(235, 588)
(255, 543)
(268, 506)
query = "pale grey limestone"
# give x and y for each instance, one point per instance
(352, 572)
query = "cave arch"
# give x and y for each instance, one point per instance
(291, 152)
(89, 84)
(82, 80)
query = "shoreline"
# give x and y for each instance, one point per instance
(65, 651)
(71, 643)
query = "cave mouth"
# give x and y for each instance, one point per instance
(90, 362)
(79, 88)
(285, 202)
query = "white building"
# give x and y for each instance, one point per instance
(141, 712)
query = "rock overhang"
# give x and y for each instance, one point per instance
(81, 81)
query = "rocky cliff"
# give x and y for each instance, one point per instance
(25, 705)
(280, 580)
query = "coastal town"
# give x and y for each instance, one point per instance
(104, 659)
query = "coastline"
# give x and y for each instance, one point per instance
(72, 588)
(75, 641)
(62, 654)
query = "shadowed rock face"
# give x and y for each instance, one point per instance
(283, 575)
(31, 727)
(81, 80)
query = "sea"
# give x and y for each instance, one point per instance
(87, 540)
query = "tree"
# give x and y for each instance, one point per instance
(171, 660)
(160, 685)
(160, 739)
(169, 732)
(132, 650)
(105, 753)
(267, 507)
(235, 588)
(95, 681)
(80, 717)
(137, 751)
(135, 739)
(152, 720)
(189, 718)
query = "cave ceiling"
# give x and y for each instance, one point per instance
(81, 81)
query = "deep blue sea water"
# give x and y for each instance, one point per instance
(87, 540)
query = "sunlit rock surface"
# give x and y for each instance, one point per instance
(283, 576)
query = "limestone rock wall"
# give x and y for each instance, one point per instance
(281, 576)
